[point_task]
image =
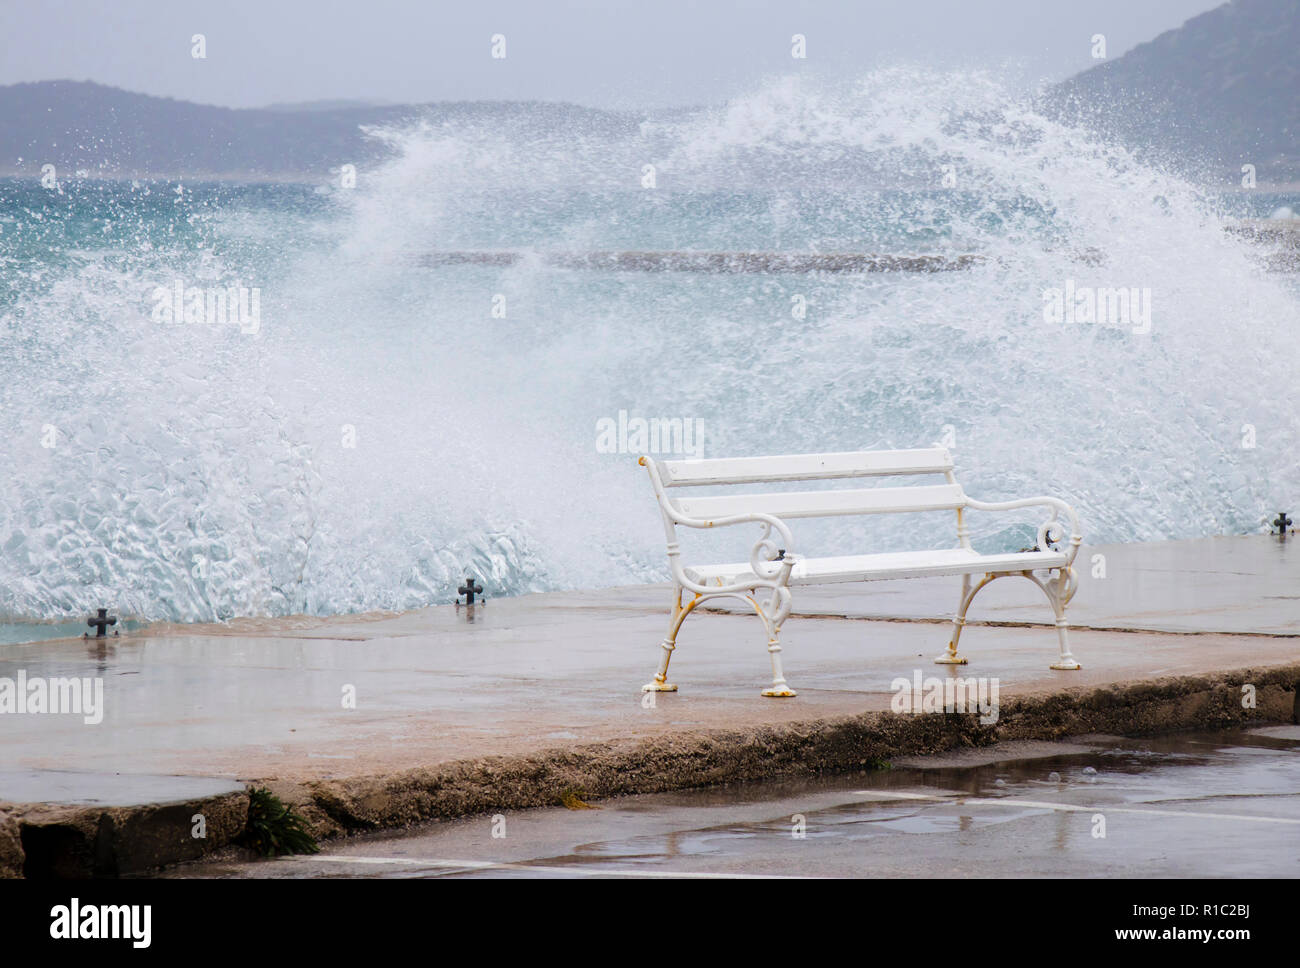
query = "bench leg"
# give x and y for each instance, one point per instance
(660, 682)
(968, 594)
(779, 688)
(778, 608)
(1060, 590)
(1067, 661)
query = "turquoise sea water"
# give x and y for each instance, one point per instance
(194, 472)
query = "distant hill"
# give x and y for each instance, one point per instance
(1218, 92)
(1221, 91)
(338, 104)
(110, 132)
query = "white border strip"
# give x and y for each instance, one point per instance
(1068, 807)
(489, 865)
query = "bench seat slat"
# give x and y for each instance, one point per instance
(804, 467)
(878, 567)
(809, 504)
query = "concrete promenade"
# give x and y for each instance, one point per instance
(526, 699)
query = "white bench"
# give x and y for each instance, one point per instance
(773, 565)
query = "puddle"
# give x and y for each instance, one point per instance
(1192, 805)
(1182, 791)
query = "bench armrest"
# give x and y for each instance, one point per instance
(774, 572)
(1053, 525)
(763, 557)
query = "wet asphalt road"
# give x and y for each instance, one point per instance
(1191, 805)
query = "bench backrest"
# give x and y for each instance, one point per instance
(809, 467)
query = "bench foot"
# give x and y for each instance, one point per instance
(779, 692)
(951, 658)
(660, 682)
(1066, 665)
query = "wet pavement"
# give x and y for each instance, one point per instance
(1223, 805)
(267, 699)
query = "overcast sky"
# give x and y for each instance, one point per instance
(601, 53)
